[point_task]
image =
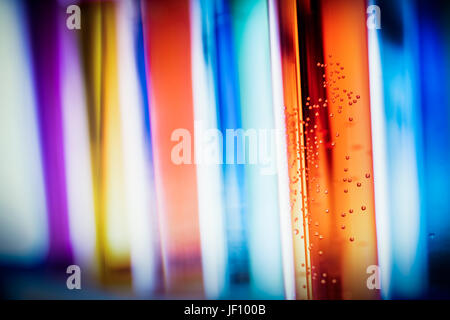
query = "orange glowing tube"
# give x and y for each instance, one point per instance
(167, 36)
(324, 268)
(326, 93)
(295, 143)
(345, 52)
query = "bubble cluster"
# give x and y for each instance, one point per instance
(312, 141)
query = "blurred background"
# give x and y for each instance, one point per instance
(225, 149)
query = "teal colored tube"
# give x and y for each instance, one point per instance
(252, 45)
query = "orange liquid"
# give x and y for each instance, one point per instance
(326, 89)
(295, 143)
(167, 35)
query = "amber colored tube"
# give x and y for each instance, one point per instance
(99, 51)
(318, 148)
(168, 55)
(324, 60)
(117, 248)
(290, 62)
(345, 42)
(90, 47)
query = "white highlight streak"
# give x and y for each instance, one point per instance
(281, 151)
(380, 163)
